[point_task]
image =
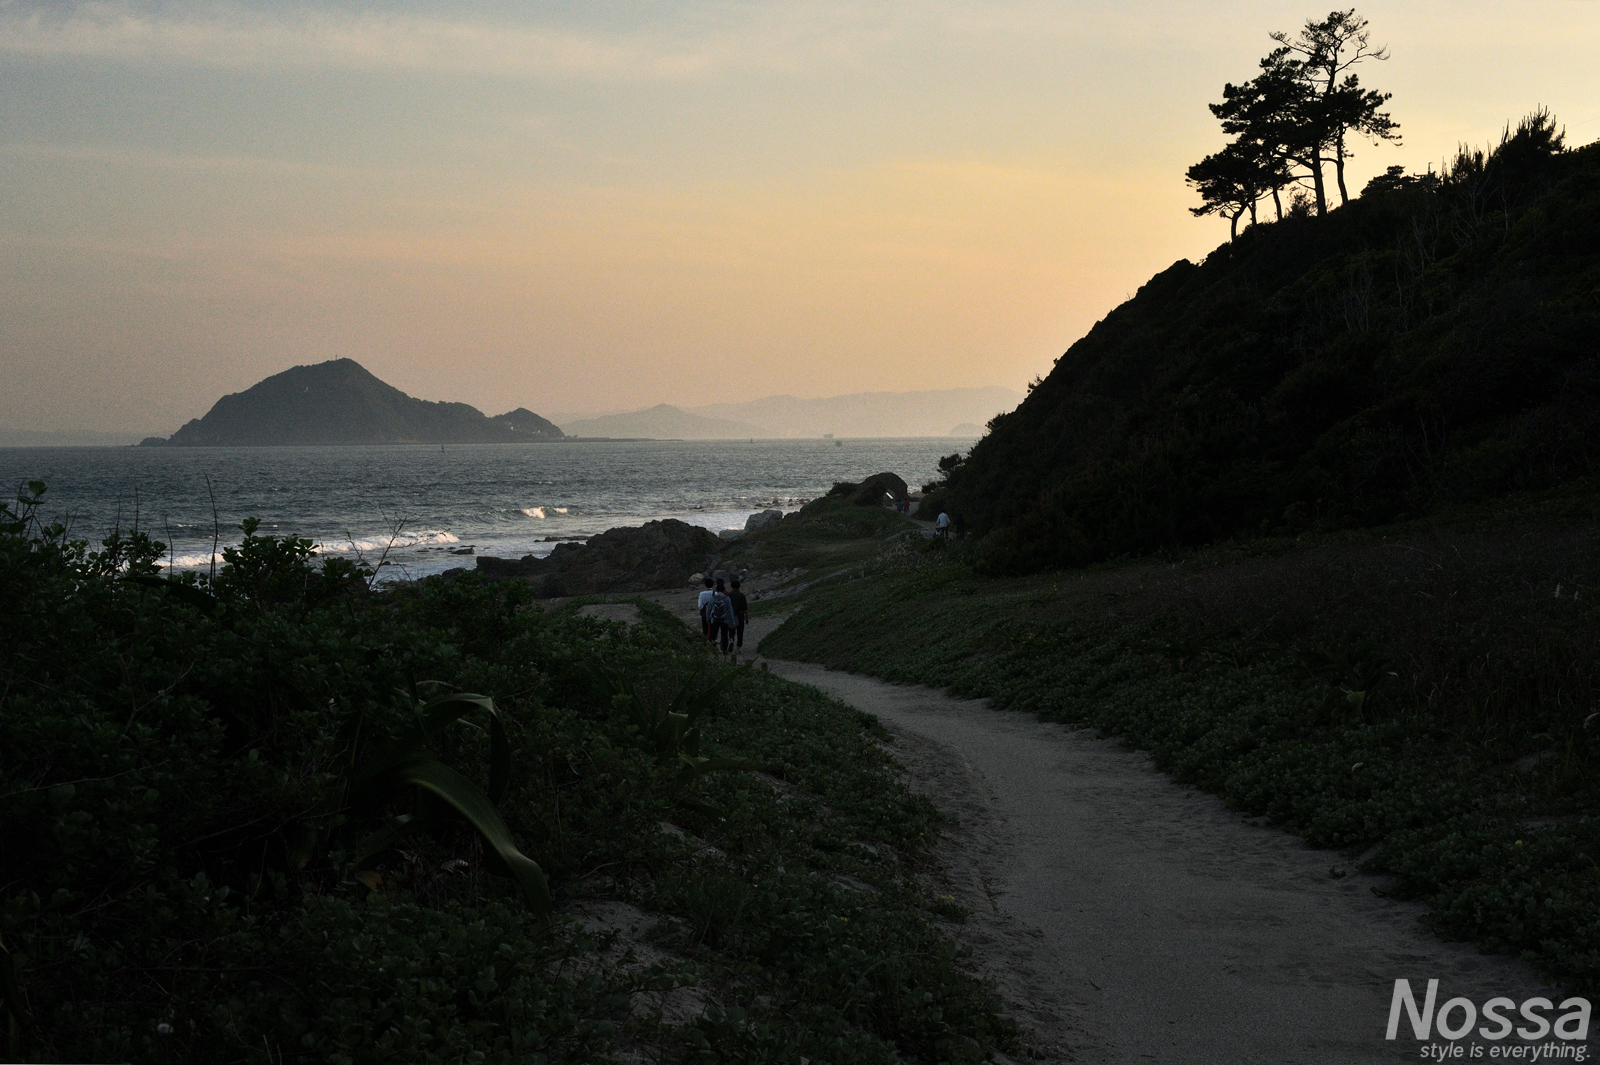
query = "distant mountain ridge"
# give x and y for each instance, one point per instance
(924, 413)
(661, 422)
(340, 402)
(857, 414)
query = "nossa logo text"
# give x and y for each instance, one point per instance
(1457, 1017)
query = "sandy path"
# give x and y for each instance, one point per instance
(1129, 919)
(1126, 918)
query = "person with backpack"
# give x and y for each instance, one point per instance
(720, 612)
(741, 615)
(705, 610)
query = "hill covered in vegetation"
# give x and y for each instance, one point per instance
(340, 402)
(1434, 341)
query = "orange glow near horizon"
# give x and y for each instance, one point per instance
(574, 211)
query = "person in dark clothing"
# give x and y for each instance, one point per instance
(721, 615)
(741, 614)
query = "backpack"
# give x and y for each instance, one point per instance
(721, 610)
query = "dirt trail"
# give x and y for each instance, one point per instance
(1130, 919)
(1126, 918)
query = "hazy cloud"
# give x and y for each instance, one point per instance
(235, 37)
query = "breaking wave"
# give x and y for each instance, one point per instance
(420, 538)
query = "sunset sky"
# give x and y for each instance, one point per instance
(598, 206)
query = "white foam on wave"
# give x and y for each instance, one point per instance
(420, 538)
(560, 510)
(534, 512)
(195, 561)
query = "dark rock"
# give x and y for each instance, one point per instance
(660, 554)
(879, 489)
(764, 520)
(507, 568)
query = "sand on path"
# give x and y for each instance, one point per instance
(1127, 918)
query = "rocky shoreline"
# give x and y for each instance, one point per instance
(668, 553)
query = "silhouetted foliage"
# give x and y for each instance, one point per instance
(1432, 342)
(1301, 110)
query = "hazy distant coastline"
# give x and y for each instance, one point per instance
(340, 403)
(953, 412)
(66, 438)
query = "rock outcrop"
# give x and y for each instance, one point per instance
(766, 519)
(879, 490)
(659, 554)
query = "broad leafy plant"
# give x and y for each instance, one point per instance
(402, 771)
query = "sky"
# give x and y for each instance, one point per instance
(598, 206)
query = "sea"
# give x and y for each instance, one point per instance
(414, 510)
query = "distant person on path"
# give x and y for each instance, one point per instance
(721, 616)
(741, 615)
(705, 610)
(943, 525)
(961, 527)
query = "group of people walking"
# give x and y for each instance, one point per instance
(723, 614)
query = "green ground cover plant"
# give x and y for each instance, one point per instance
(1422, 698)
(278, 815)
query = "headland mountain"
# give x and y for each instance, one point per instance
(340, 402)
(858, 414)
(1433, 343)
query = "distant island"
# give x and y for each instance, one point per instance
(340, 402)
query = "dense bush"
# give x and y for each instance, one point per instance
(1431, 342)
(243, 820)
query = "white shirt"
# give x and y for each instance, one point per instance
(944, 520)
(705, 597)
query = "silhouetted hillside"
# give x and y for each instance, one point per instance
(339, 402)
(1435, 341)
(524, 422)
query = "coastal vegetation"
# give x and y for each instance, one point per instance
(1304, 108)
(278, 815)
(1430, 344)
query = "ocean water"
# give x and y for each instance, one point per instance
(420, 510)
